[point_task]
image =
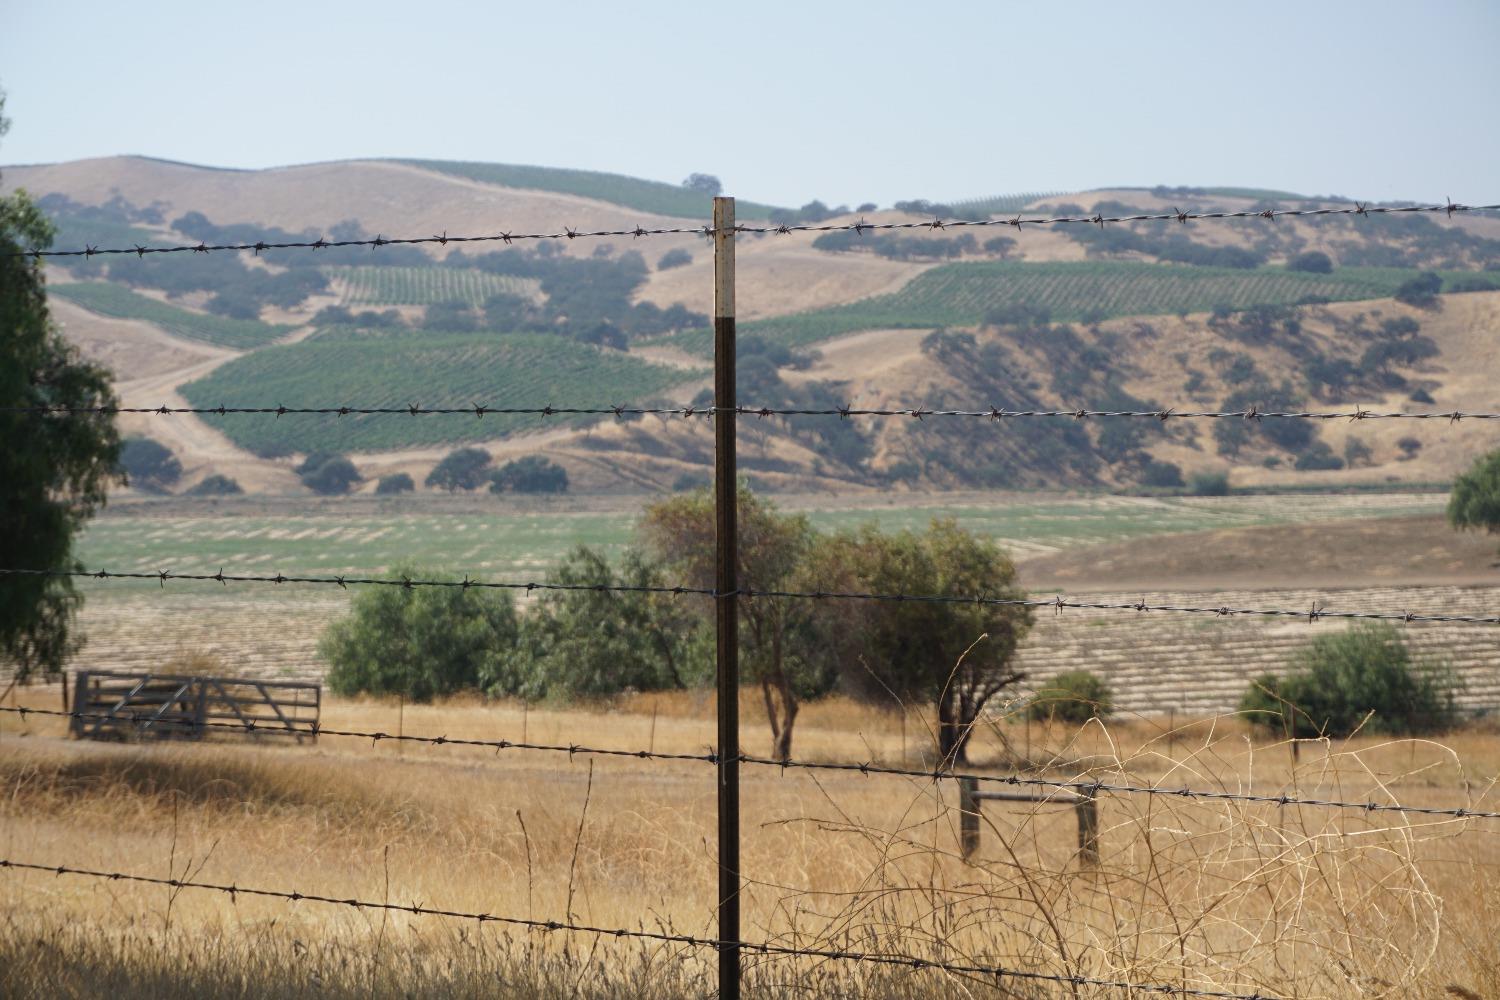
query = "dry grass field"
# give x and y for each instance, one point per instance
(1285, 901)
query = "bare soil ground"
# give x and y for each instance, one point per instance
(1415, 551)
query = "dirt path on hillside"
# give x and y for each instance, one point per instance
(151, 367)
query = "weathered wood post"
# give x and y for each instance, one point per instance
(968, 816)
(1087, 810)
(726, 601)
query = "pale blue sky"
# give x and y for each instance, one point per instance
(846, 102)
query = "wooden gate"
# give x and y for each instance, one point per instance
(113, 705)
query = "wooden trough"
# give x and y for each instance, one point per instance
(110, 704)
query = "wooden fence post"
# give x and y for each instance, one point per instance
(968, 816)
(726, 603)
(1087, 808)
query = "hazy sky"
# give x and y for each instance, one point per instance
(846, 102)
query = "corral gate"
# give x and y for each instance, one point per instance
(114, 705)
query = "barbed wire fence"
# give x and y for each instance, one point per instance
(726, 595)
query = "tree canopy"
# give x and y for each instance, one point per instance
(679, 532)
(461, 469)
(957, 655)
(421, 642)
(1475, 500)
(54, 470)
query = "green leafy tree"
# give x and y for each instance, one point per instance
(679, 533)
(397, 482)
(1074, 696)
(54, 470)
(1360, 678)
(422, 642)
(956, 655)
(595, 643)
(1421, 291)
(1475, 500)
(149, 465)
(328, 474)
(461, 469)
(532, 474)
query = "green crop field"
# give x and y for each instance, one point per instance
(962, 294)
(116, 300)
(432, 369)
(632, 192)
(420, 286)
(516, 546)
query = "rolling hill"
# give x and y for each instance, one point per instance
(1158, 319)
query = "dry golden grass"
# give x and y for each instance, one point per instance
(1289, 901)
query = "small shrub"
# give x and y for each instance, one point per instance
(1209, 484)
(398, 482)
(1318, 458)
(1164, 475)
(1311, 262)
(674, 258)
(1075, 696)
(690, 481)
(532, 474)
(1421, 396)
(215, 486)
(1341, 680)
(1409, 446)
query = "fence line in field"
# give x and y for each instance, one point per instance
(727, 593)
(1082, 786)
(992, 413)
(707, 230)
(1058, 604)
(996, 972)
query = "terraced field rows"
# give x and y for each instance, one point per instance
(1155, 663)
(116, 300)
(420, 286)
(964, 293)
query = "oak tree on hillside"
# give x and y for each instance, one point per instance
(54, 470)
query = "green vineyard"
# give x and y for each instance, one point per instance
(431, 370)
(963, 294)
(420, 286)
(116, 300)
(617, 189)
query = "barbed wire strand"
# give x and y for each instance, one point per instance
(1017, 222)
(1315, 612)
(1080, 786)
(993, 413)
(762, 948)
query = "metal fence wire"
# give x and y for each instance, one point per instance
(727, 594)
